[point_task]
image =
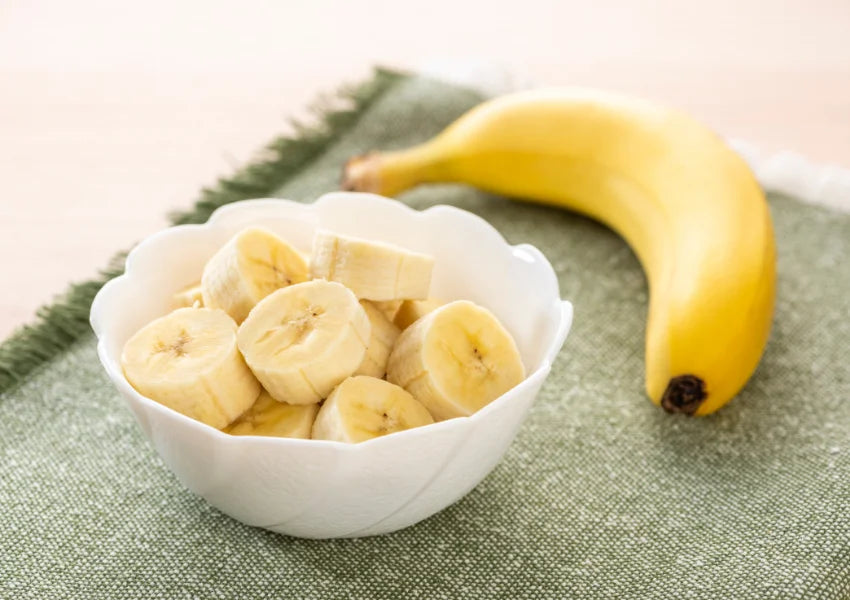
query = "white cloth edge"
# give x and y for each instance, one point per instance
(783, 172)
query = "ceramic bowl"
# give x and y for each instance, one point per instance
(321, 489)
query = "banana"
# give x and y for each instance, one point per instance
(683, 200)
(249, 267)
(411, 311)
(455, 360)
(388, 307)
(268, 417)
(188, 360)
(384, 335)
(372, 270)
(303, 340)
(362, 408)
(188, 296)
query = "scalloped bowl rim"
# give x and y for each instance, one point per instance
(101, 304)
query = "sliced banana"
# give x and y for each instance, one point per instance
(411, 311)
(268, 417)
(456, 360)
(384, 335)
(188, 360)
(362, 408)
(305, 339)
(253, 264)
(372, 270)
(189, 296)
(388, 307)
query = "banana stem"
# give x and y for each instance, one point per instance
(390, 173)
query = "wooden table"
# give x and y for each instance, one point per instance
(111, 114)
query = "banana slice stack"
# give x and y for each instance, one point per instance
(347, 349)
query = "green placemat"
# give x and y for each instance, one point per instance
(602, 495)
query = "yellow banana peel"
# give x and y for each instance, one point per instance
(684, 201)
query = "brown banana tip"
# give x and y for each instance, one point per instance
(358, 174)
(684, 394)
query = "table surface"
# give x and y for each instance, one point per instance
(112, 114)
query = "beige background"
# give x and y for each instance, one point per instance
(112, 113)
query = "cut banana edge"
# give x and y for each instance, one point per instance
(188, 361)
(455, 360)
(253, 264)
(268, 417)
(381, 342)
(362, 408)
(305, 339)
(372, 270)
(411, 311)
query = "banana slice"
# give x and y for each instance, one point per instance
(268, 417)
(388, 307)
(249, 267)
(188, 361)
(372, 270)
(456, 360)
(384, 335)
(411, 311)
(362, 408)
(188, 296)
(304, 340)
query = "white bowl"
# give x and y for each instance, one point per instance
(320, 489)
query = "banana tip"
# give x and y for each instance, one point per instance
(360, 174)
(684, 394)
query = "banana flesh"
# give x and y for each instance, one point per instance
(381, 342)
(268, 417)
(253, 264)
(372, 270)
(363, 408)
(190, 296)
(388, 307)
(188, 360)
(411, 311)
(684, 201)
(455, 360)
(303, 340)
(302, 344)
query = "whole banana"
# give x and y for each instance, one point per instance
(688, 206)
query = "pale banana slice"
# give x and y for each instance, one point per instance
(253, 264)
(189, 296)
(381, 342)
(372, 270)
(456, 360)
(305, 339)
(388, 307)
(188, 360)
(362, 408)
(411, 311)
(268, 417)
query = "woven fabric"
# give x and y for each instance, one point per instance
(602, 494)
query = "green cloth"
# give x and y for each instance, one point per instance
(602, 494)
